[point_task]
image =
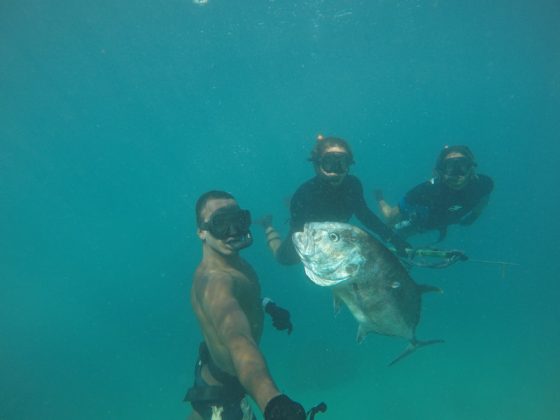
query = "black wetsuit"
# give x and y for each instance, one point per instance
(434, 206)
(319, 201)
(227, 399)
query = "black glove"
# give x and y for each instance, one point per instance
(280, 316)
(283, 408)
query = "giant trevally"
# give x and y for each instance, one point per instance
(367, 277)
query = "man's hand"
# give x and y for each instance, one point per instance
(265, 221)
(283, 408)
(280, 316)
(401, 245)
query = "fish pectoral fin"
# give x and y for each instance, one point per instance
(337, 305)
(412, 346)
(361, 334)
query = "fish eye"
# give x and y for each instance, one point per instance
(333, 237)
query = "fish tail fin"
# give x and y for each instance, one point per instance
(412, 346)
(426, 288)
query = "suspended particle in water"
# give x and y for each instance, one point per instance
(200, 2)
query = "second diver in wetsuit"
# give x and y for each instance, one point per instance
(333, 195)
(455, 195)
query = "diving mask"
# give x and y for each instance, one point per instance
(228, 222)
(459, 166)
(335, 163)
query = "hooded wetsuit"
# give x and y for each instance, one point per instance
(434, 206)
(319, 201)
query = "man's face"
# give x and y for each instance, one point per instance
(225, 226)
(457, 170)
(334, 165)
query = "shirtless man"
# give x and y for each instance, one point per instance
(226, 299)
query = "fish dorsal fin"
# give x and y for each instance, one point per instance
(426, 288)
(315, 278)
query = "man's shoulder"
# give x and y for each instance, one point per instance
(304, 189)
(424, 188)
(484, 184)
(353, 181)
(220, 274)
(207, 276)
(211, 286)
(310, 183)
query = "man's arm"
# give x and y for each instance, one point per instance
(233, 329)
(299, 207)
(371, 221)
(471, 216)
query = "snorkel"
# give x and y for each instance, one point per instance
(240, 242)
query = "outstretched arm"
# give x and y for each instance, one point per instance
(234, 331)
(474, 214)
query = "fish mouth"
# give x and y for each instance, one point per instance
(307, 248)
(327, 276)
(322, 281)
(304, 245)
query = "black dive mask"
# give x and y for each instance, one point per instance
(230, 223)
(458, 166)
(335, 163)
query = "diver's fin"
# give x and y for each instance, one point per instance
(337, 304)
(426, 288)
(413, 345)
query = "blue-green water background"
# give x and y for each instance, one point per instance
(116, 115)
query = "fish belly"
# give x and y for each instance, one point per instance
(375, 312)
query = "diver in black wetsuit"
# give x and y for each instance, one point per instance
(332, 195)
(456, 195)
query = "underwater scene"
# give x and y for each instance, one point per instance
(115, 116)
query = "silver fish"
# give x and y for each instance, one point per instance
(365, 276)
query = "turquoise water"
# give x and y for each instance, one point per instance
(116, 116)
